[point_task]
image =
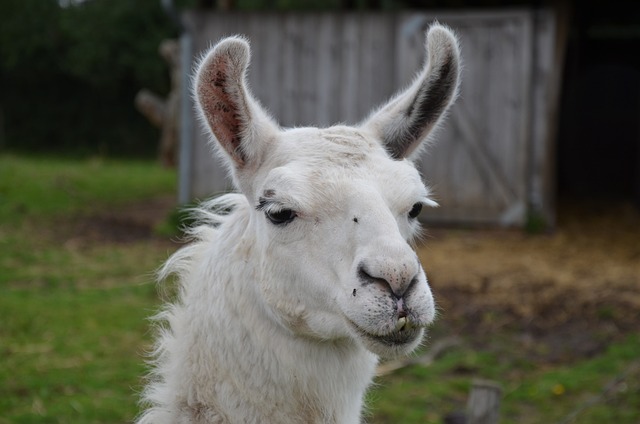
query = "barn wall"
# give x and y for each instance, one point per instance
(487, 166)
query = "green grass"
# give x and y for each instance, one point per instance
(73, 326)
(37, 193)
(72, 356)
(45, 187)
(533, 392)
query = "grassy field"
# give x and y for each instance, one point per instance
(73, 309)
(77, 253)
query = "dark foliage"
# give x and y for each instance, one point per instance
(69, 74)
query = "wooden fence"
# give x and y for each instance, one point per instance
(491, 163)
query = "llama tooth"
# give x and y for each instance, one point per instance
(402, 322)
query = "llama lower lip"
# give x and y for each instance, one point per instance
(396, 338)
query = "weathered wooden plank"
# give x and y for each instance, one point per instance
(548, 59)
(350, 69)
(261, 81)
(327, 79)
(288, 92)
(308, 68)
(377, 67)
(518, 166)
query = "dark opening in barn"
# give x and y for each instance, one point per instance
(599, 132)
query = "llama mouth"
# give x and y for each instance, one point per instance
(397, 338)
(404, 334)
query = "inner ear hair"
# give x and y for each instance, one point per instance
(407, 120)
(221, 95)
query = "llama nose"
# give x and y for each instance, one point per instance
(397, 278)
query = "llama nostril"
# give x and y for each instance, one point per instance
(367, 278)
(362, 274)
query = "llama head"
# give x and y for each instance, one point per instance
(334, 209)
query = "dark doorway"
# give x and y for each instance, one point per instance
(599, 133)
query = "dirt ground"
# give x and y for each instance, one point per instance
(564, 294)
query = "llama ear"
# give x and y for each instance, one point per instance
(407, 120)
(235, 118)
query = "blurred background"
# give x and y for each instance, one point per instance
(534, 255)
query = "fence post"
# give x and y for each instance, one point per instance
(483, 406)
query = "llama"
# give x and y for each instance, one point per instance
(293, 287)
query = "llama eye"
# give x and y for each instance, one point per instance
(282, 217)
(415, 210)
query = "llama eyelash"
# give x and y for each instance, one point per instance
(429, 202)
(269, 205)
(262, 204)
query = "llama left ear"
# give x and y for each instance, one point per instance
(238, 122)
(408, 119)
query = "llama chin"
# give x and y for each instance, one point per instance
(293, 287)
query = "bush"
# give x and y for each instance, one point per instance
(69, 74)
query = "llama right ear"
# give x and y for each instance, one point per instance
(407, 120)
(236, 119)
